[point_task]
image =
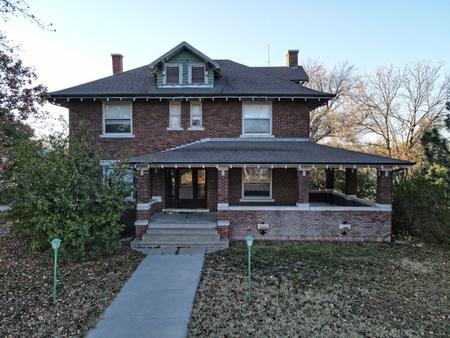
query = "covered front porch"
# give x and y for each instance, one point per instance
(269, 194)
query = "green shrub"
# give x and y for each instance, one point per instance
(421, 206)
(59, 191)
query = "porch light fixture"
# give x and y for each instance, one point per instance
(55, 246)
(249, 241)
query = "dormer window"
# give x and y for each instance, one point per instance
(174, 74)
(197, 74)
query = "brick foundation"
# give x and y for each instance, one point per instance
(311, 225)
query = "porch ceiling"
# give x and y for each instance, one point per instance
(266, 152)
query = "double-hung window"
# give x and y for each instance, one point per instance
(197, 74)
(196, 115)
(173, 74)
(108, 169)
(175, 116)
(117, 119)
(257, 118)
(256, 183)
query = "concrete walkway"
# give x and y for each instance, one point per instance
(156, 301)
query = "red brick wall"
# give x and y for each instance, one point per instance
(284, 185)
(303, 186)
(222, 186)
(150, 121)
(211, 189)
(142, 186)
(384, 187)
(310, 225)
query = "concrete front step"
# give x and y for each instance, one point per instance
(139, 243)
(158, 225)
(181, 231)
(180, 238)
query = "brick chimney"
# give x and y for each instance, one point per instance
(117, 63)
(292, 58)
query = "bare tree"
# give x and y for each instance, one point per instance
(16, 8)
(335, 118)
(396, 107)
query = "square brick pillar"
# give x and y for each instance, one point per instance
(223, 223)
(303, 186)
(143, 190)
(384, 187)
(329, 179)
(351, 184)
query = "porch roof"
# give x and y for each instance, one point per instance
(264, 151)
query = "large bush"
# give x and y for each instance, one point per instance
(59, 191)
(421, 206)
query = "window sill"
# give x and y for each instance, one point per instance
(174, 129)
(256, 200)
(196, 128)
(257, 135)
(116, 136)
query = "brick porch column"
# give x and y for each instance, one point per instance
(384, 187)
(303, 186)
(351, 184)
(223, 223)
(329, 179)
(143, 196)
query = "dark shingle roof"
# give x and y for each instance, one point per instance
(263, 151)
(287, 73)
(237, 80)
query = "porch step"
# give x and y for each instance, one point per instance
(181, 226)
(218, 245)
(176, 237)
(181, 231)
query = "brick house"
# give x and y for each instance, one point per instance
(226, 146)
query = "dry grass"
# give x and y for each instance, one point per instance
(84, 290)
(325, 290)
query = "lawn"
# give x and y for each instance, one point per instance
(325, 290)
(84, 290)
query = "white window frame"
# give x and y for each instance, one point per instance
(116, 135)
(205, 73)
(192, 127)
(243, 118)
(175, 103)
(180, 73)
(256, 198)
(108, 163)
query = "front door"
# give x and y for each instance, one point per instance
(186, 188)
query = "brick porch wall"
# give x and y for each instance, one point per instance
(311, 225)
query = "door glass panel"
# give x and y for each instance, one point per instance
(201, 184)
(186, 185)
(172, 181)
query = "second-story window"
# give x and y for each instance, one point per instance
(196, 114)
(117, 119)
(257, 118)
(173, 74)
(175, 115)
(197, 74)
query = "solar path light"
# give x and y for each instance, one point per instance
(249, 241)
(55, 246)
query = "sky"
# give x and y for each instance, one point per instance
(368, 34)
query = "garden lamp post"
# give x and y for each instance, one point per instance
(249, 241)
(55, 246)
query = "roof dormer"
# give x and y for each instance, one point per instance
(185, 66)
